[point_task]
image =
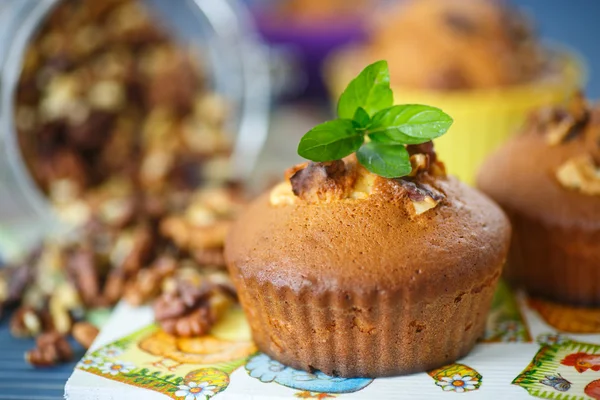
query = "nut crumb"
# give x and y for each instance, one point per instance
(325, 181)
(85, 334)
(422, 196)
(581, 174)
(25, 322)
(191, 304)
(51, 348)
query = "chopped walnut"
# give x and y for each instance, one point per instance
(287, 175)
(209, 257)
(581, 174)
(423, 159)
(114, 287)
(85, 334)
(13, 281)
(148, 282)
(192, 237)
(423, 148)
(45, 282)
(422, 196)
(107, 95)
(191, 304)
(96, 90)
(324, 182)
(63, 303)
(564, 123)
(559, 131)
(83, 270)
(419, 162)
(118, 212)
(195, 323)
(34, 297)
(139, 251)
(438, 169)
(25, 322)
(51, 348)
(424, 205)
(205, 222)
(282, 194)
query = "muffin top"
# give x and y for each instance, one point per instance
(551, 171)
(454, 45)
(335, 226)
(373, 211)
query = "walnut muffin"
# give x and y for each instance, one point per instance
(548, 181)
(455, 45)
(346, 272)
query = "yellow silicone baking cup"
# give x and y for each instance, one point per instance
(483, 119)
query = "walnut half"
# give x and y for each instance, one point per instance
(324, 181)
(422, 196)
(581, 174)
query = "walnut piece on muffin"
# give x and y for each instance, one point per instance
(326, 182)
(580, 173)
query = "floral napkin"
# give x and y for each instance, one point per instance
(530, 348)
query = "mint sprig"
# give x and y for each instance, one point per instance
(369, 124)
(331, 140)
(387, 160)
(410, 123)
(369, 90)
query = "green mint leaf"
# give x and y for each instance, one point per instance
(398, 138)
(361, 117)
(369, 90)
(331, 140)
(387, 160)
(419, 122)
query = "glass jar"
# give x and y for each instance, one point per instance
(237, 70)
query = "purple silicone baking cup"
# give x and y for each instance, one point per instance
(312, 41)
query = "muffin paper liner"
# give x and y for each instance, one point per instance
(561, 264)
(372, 334)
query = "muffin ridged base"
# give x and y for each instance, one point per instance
(374, 334)
(555, 262)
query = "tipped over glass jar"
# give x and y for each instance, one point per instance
(120, 102)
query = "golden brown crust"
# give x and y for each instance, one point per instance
(366, 279)
(378, 240)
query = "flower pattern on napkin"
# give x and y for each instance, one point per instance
(117, 367)
(458, 383)
(196, 391)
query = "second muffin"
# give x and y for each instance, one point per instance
(548, 181)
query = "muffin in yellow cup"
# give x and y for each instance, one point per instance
(475, 59)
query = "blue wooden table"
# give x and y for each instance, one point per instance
(19, 380)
